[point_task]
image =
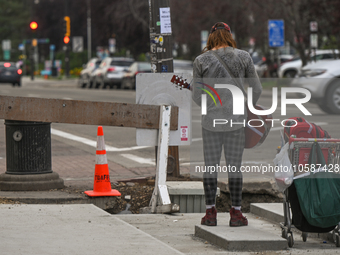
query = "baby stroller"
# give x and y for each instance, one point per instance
(298, 209)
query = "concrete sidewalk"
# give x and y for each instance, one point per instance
(85, 229)
(71, 229)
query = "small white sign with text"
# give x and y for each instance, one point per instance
(165, 19)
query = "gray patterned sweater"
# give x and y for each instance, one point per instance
(208, 69)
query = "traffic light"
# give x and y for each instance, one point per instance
(67, 26)
(66, 39)
(34, 42)
(33, 25)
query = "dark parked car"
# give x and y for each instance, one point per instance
(129, 78)
(9, 73)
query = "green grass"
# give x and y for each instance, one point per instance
(279, 83)
(269, 84)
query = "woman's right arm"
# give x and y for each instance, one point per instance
(197, 73)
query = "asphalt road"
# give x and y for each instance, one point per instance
(121, 142)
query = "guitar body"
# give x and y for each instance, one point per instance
(256, 132)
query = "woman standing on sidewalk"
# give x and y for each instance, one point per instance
(209, 69)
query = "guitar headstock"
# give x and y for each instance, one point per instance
(180, 82)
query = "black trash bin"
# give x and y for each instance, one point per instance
(28, 147)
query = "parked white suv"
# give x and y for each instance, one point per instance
(322, 79)
(291, 68)
(110, 72)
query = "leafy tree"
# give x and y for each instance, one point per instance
(128, 22)
(14, 24)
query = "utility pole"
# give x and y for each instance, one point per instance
(33, 28)
(161, 57)
(89, 53)
(67, 39)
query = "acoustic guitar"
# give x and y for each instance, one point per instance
(257, 126)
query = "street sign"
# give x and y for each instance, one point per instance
(77, 44)
(43, 40)
(7, 54)
(251, 41)
(112, 45)
(276, 32)
(313, 26)
(204, 38)
(6, 44)
(314, 41)
(52, 48)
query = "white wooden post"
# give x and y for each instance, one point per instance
(160, 200)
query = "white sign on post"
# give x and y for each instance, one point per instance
(204, 38)
(313, 25)
(164, 14)
(314, 41)
(77, 43)
(157, 89)
(6, 44)
(112, 45)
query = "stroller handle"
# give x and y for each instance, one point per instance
(330, 140)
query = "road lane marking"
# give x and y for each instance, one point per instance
(272, 129)
(91, 142)
(223, 163)
(140, 160)
(33, 95)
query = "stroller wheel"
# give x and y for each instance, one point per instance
(290, 240)
(337, 240)
(304, 236)
(284, 233)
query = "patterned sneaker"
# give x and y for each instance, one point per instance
(210, 217)
(237, 219)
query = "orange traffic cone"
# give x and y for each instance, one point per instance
(101, 185)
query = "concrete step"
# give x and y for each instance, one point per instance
(270, 211)
(274, 213)
(188, 195)
(63, 196)
(259, 235)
